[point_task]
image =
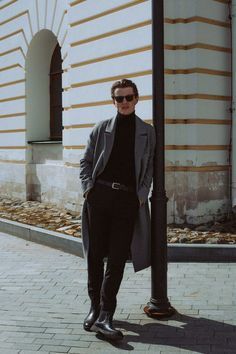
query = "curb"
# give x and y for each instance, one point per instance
(45, 237)
(201, 253)
(70, 244)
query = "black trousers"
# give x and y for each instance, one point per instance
(112, 215)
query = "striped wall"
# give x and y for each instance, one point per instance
(104, 41)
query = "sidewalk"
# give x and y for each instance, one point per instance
(43, 301)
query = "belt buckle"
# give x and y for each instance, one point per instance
(115, 185)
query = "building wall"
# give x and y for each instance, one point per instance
(104, 41)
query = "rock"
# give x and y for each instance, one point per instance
(77, 234)
(197, 240)
(194, 234)
(57, 220)
(64, 228)
(76, 221)
(171, 234)
(41, 206)
(73, 213)
(212, 240)
(183, 239)
(70, 232)
(174, 240)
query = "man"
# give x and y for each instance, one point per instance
(116, 175)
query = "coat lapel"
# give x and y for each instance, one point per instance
(140, 143)
(109, 136)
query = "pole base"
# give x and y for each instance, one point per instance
(159, 311)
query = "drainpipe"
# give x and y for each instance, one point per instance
(233, 9)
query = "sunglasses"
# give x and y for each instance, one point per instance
(120, 99)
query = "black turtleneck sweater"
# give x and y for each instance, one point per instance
(121, 164)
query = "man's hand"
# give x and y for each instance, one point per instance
(86, 194)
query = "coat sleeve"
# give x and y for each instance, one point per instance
(147, 180)
(86, 163)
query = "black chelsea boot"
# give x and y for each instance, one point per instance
(91, 317)
(103, 325)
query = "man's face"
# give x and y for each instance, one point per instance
(125, 107)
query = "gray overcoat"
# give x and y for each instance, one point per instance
(96, 156)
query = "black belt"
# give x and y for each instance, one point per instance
(115, 185)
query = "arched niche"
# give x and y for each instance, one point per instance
(38, 61)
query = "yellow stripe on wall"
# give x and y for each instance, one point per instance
(76, 2)
(12, 51)
(12, 83)
(13, 131)
(13, 147)
(111, 78)
(8, 4)
(13, 161)
(197, 71)
(197, 147)
(200, 19)
(11, 34)
(112, 56)
(197, 121)
(107, 12)
(201, 96)
(111, 33)
(101, 103)
(12, 98)
(197, 45)
(78, 126)
(10, 67)
(14, 17)
(20, 31)
(209, 168)
(13, 115)
(71, 164)
(74, 147)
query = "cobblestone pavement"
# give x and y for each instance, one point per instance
(43, 301)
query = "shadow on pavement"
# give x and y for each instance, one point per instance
(200, 335)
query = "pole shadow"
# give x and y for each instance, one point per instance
(200, 335)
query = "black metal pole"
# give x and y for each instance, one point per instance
(159, 305)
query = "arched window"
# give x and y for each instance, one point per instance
(56, 95)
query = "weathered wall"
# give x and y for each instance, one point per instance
(101, 42)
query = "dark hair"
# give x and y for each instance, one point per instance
(124, 83)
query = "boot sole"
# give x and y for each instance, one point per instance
(88, 329)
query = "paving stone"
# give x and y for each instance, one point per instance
(53, 348)
(75, 343)
(43, 301)
(29, 346)
(58, 330)
(32, 352)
